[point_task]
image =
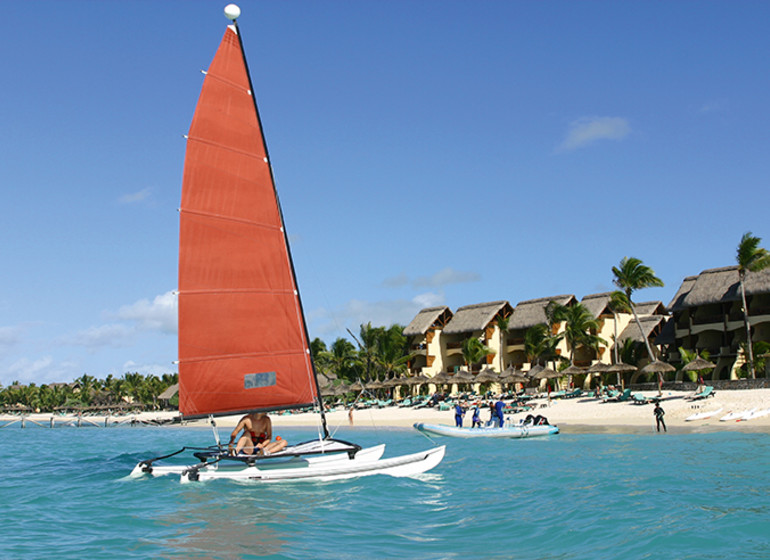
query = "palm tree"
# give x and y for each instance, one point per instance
(540, 345)
(393, 350)
(502, 326)
(618, 304)
(578, 326)
(340, 358)
(750, 257)
(474, 351)
(633, 275)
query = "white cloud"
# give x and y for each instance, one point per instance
(40, 371)
(160, 314)
(587, 130)
(134, 198)
(444, 277)
(149, 369)
(115, 335)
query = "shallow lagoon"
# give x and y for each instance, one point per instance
(568, 496)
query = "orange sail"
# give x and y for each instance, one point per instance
(242, 337)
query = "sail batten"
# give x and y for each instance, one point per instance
(243, 342)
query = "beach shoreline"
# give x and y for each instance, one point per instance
(579, 415)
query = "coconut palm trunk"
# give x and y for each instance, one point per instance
(754, 258)
(747, 325)
(632, 275)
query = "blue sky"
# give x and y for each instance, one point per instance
(426, 152)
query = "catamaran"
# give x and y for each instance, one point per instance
(243, 339)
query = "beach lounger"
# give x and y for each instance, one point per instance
(707, 391)
(618, 397)
(638, 398)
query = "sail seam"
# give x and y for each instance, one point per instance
(230, 83)
(227, 148)
(239, 356)
(229, 218)
(287, 291)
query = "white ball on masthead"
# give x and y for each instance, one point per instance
(232, 12)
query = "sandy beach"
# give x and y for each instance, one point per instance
(578, 415)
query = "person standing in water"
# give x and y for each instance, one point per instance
(659, 412)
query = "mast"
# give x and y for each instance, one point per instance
(232, 12)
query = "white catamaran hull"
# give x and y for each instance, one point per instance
(291, 461)
(703, 415)
(490, 432)
(405, 465)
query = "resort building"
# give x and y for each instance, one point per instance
(708, 317)
(424, 333)
(437, 335)
(526, 315)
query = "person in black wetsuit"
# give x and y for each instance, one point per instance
(659, 412)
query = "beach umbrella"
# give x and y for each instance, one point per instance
(658, 368)
(698, 364)
(419, 380)
(488, 375)
(376, 384)
(547, 373)
(573, 370)
(356, 386)
(619, 369)
(598, 367)
(462, 377)
(341, 389)
(441, 378)
(534, 370)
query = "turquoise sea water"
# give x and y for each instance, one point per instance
(65, 496)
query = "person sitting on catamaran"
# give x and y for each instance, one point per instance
(257, 437)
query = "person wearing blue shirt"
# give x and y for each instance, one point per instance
(459, 413)
(499, 406)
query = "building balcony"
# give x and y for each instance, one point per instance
(708, 319)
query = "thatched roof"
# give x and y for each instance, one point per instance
(427, 318)
(721, 285)
(684, 289)
(476, 317)
(650, 308)
(597, 304)
(649, 324)
(532, 312)
(170, 392)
